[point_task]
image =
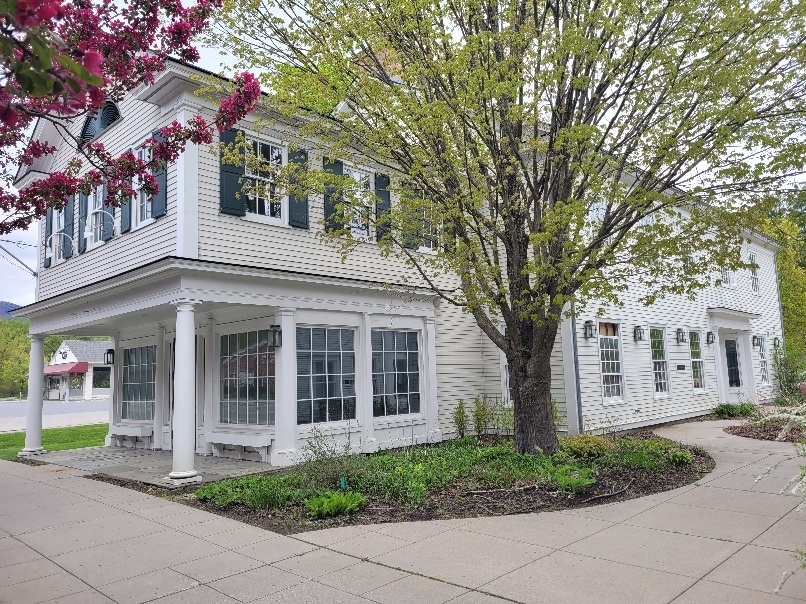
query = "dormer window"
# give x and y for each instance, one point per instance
(95, 124)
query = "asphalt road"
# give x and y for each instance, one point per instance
(56, 414)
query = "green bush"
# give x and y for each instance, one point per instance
(482, 414)
(257, 492)
(680, 457)
(459, 417)
(586, 445)
(568, 477)
(648, 454)
(729, 410)
(335, 503)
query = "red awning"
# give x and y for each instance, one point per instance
(80, 367)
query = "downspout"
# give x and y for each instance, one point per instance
(576, 369)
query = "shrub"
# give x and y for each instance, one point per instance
(729, 410)
(502, 417)
(586, 445)
(646, 453)
(568, 477)
(257, 492)
(680, 457)
(481, 414)
(788, 371)
(335, 503)
(460, 418)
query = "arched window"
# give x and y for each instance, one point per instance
(99, 121)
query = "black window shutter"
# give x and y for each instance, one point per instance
(332, 223)
(82, 222)
(48, 232)
(68, 227)
(126, 211)
(107, 219)
(383, 205)
(298, 204)
(159, 203)
(230, 181)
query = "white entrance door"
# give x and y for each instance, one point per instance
(733, 369)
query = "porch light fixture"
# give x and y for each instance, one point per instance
(89, 231)
(638, 333)
(681, 336)
(709, 337)
(755, 341)
(589, 330)
(109, 356)
(776, 342)
(275, 336)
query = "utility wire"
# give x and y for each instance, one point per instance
(18, 243)
(24, 266)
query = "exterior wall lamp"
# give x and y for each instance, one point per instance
(709, 337)
(756, 341)
(638, 333)
(589, 330)
(681, 336)
(776, 342)
(109, 356)
(275, 336)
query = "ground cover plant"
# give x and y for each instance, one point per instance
(463, 477)
(731, 410)
(56, 439)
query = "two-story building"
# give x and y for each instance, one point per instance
(238, 331)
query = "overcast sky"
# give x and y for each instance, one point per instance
(17, 285)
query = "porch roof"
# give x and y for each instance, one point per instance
(80, 367)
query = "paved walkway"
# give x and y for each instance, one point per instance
(69, 540)
(55, 414)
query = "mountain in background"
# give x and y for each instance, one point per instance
(6, 308)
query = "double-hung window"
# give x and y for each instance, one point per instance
(395, 373)
(95, 215)
(762, 355)
(246, 379)
(57, 240)
(143, 212)
(660, 369)
(360, 200)
(264, 198)
(139, 391)
(726, 276)
(754, 285)
(610, 361)
(697, 369)
(325, 374)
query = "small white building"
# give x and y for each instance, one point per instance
(238, 330)
(78, 370)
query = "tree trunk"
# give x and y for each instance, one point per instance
(530, 383)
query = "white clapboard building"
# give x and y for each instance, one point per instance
(238, 330)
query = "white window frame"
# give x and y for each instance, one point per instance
(620, 349)
(95, 201)
(701, 361)
(282, 221)
(763, 362)
(123, 382)
(351, 170)
(665, 360)
(57, 240)
(755, 284)
(727, 277)
(419, 352)
(141, 199)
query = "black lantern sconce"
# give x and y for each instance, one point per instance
(681, 336)
(589, 330)
(638, 333)
(756, 341)
(275, 336)
(776, 342)
(709, 337)
(109, 356)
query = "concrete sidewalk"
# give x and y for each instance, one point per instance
(69, 540)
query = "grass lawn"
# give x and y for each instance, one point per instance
(56, 439)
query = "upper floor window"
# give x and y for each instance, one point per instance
(144, 210)
(261, 172)
(95, 216)
(57, 241)
(754, 285)
(95, 124)
(362, 207)
(726, 277)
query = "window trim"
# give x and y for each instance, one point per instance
(668, 391)
(763, 361)
(619, 337)
(284, 198)
(730, 282)
(134, 205)
(755, 279)
(701, 360)
(133, 345)
(350, 165)
(57, 240)
(383, 420)
(92, 243)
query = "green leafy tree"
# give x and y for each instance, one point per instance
(552, 154)
(14, 348)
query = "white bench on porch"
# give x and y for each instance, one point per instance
(122, 432)
(261, 442)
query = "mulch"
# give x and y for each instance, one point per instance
(766, 433)
(459, 500)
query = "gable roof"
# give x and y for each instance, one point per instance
(87, 350)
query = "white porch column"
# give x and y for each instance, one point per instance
(431, 406)
(159, 392)
(36, 382)
(284, 448)
(184, 420)
(369, 444)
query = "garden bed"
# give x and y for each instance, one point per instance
(456, 479)
(766, 432)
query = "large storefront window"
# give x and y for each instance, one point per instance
(325, 374)
(247, 379)
(139, 369)
(395, 373)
